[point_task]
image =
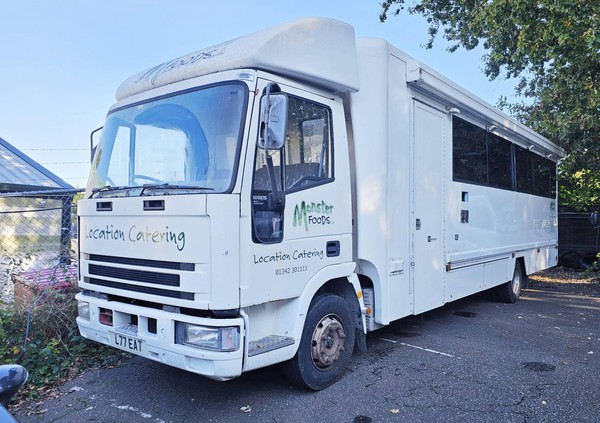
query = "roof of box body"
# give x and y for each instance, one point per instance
(423, 79)
(322, 51)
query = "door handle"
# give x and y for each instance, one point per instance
(430, 238)
(333, 249)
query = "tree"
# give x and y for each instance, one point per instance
(553, 48)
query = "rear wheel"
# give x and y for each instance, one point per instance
(326, 345)
(511, 290)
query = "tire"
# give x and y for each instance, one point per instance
(510, 292)
(326, 345)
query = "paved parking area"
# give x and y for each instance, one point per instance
(472, 360)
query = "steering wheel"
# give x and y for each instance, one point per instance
(305, 179)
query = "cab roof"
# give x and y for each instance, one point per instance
(319, 50)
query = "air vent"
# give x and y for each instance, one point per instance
(154, 205)
(143, 289)
(172, 265)
(168, 279)
(104, 206)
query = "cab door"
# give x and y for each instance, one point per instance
(288, 245)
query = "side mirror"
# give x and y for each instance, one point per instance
(94, 142)
(594, 219)
(273, 124)
(12, 377)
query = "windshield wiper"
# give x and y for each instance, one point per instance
(107, 188)
(167, 186)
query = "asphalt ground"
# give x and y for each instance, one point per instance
(473, 360)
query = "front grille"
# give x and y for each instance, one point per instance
(167, 279)
(171, 265)
(143, 289)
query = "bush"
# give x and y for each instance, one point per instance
(43, 337)
(594, 270)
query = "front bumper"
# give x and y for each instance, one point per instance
(150, 333)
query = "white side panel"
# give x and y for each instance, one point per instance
(370, 118)
(500, 223)
(463, 282)
(399, 292)
(497, 272)
(538, 259)
(380, 123)
(225, 250)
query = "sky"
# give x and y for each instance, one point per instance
(62, 61)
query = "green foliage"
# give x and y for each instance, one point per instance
(594, 270)
(553, 47)
(54, 349)
(579, 189)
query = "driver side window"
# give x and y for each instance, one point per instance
(304, 161)
(308, 145)
(307, 153)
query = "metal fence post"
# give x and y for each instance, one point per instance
(65, 230)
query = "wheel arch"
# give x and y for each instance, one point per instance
(339, 280)
(520, 261)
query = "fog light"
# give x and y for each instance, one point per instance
(220, 339)
(83, 309)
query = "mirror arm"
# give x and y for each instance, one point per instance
(267, 116)
(277, 198)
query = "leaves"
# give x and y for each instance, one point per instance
(553, 48)
(54, 350)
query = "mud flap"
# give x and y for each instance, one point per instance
(360, 340)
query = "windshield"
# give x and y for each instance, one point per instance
(181, 142)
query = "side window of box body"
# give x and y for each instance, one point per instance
(484, 158)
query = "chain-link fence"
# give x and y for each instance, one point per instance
(38, 240)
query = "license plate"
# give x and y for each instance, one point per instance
(129, 343)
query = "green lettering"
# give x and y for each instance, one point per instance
(300, 214)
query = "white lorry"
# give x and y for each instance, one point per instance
(274, 198)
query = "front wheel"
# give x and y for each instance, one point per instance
(326, 345)
(510, 291)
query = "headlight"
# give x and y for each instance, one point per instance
(220, 339)
(83, 309)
